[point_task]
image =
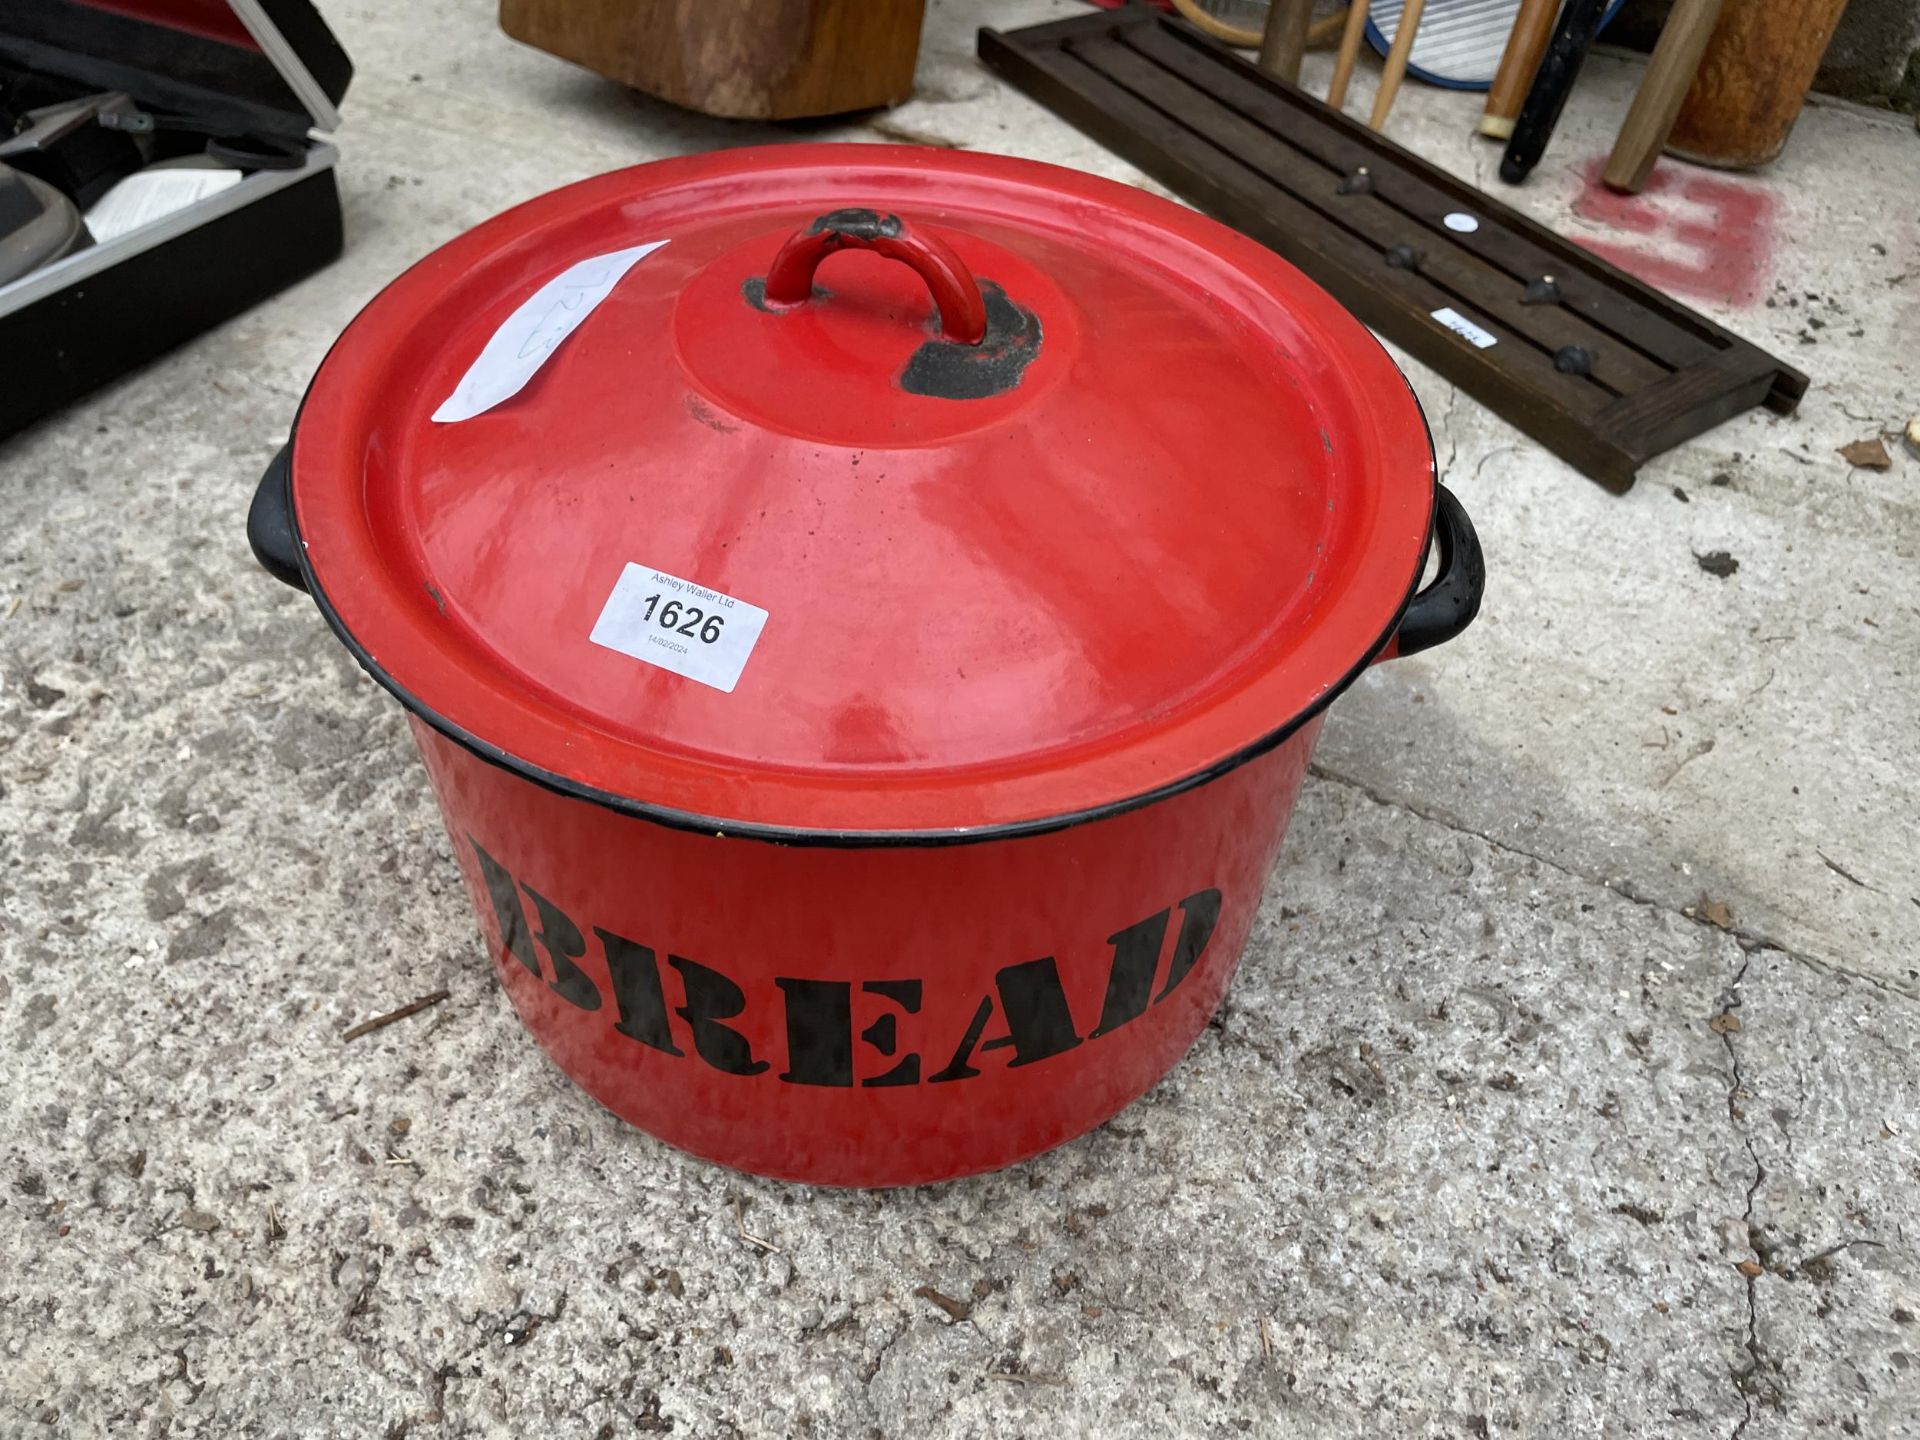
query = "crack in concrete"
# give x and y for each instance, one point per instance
(1747, 938)
(1731, 1002)
(1446, 428)
(1752, 1380)
(1745, 1378)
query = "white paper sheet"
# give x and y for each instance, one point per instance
(534, 331)
(149, 195)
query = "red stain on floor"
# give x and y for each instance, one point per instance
(1692, 233)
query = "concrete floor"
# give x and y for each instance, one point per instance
(1569, 1086)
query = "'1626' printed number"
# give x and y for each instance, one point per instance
(688, 620)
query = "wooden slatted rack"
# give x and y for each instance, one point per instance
(1601, 369)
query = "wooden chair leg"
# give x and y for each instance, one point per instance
(1356, 30)
(1286, 39)
(1396, 67)
(1655, 104)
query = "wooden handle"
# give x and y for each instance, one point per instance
(1657, 102)
(1286, 38)
(1324, 31)
(1396, 67)
(1321, 32)
(1349, 52)
(1547, 97)
(1217, 28)
(1518, 62)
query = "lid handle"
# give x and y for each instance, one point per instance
(963, 312)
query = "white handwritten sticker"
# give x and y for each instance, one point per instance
(679, 626)
(533, 332)
(1464, 327)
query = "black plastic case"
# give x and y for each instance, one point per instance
(260, 70)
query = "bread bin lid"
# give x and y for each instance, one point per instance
(861, 492)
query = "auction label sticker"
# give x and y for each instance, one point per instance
(680, 626)
(1463, 327)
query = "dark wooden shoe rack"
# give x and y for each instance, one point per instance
(1601, 369)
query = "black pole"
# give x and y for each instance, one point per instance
(1552, 82)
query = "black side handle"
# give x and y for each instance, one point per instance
(276, 544)
(1448, 605)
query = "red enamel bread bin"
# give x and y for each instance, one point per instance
(866, 613)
